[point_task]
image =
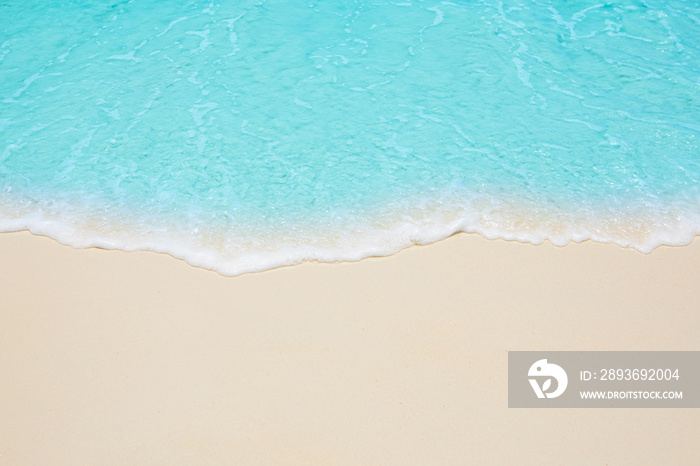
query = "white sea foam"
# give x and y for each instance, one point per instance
(237, 251)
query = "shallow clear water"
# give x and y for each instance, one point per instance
(246, 135)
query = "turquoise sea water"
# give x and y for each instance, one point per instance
(246, 135)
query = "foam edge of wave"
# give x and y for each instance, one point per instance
(379, 243)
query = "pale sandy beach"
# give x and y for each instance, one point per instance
(109, 357)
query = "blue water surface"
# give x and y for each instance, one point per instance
(246, 135)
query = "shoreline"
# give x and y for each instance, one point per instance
(234, 251)
(114, 357)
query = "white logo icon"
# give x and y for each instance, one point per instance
(543, 369)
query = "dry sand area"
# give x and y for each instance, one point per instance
(121, 358)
